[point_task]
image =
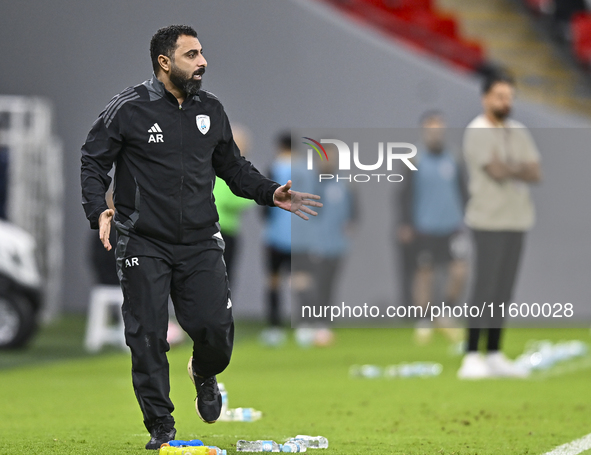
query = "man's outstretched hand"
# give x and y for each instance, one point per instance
(105, 227)
(296, 202)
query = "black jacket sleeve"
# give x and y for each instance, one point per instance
(267, 210)
(99, 152)
(241, 176)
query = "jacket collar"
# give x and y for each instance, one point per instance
(158, 88)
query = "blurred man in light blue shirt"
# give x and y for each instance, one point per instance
(432, 203)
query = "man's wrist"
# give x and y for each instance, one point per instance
(271, 201)
(95, 215)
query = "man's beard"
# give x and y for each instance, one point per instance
(502, 114)
(188, 85)
(436, 147)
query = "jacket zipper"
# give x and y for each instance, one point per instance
(182, 176)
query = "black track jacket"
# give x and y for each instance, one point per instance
(166, 157)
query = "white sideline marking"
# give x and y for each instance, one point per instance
(573, 448)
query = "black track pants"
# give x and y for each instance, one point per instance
(195, 277)
(497, 262)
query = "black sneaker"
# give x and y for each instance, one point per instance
(161, 433)
(208, 403)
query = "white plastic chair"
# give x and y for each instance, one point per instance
(99, 328)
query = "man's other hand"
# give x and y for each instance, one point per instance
(105, 227)
(295, 202)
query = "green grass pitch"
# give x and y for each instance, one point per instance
(85, 404)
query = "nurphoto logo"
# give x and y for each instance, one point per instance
(395, 151)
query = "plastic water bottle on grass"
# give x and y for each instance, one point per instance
(425, 369)
(240, 415)
(257, 446)
(200, 450)
(543, 355)
(224, 394)
(365, 371)
(181, 443)
(293, 446)
(312, 442)
(577, 348)
(419, 369)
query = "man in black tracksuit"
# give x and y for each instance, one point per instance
(168, 140)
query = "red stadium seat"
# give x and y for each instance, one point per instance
(437, 23)
(401, 5)
(581, 35)
(415, 22)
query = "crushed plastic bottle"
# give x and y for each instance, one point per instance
(578, 348)
(240, 415)
(402, 370)
(293, 446)
(224, 394)
(365, 371)
(237, 414)
(311, 442)
(419, 369)
(543, 355)
(257, 446)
